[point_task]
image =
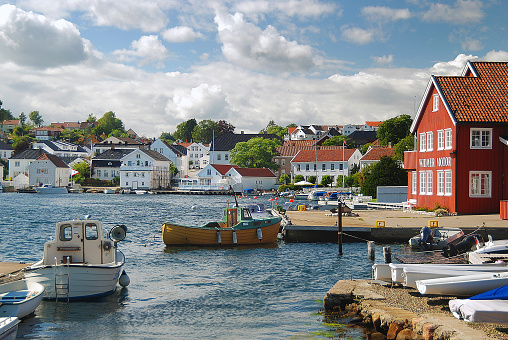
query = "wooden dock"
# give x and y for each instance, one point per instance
(11, 271)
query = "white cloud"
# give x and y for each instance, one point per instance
(33, 40)
(180, 34)
(357, 35)
(379, 13)
(247, 45)
(257, 9)
(200, 102)
(463, 12)
(496, 56)
(147, 50)
(384, 60)
(470, 44)
(453, 67)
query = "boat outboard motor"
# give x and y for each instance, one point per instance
(425, 238)
(463, 246)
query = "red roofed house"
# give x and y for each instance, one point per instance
(461, 153)
(45, 132)
(7, 126)
(48, 169)
(319, 163)
(374, 154)
(252, 178)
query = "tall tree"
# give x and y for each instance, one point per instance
(225, 127)
(107, 123)
(22, 118)
(405, 144)
(394, 129)
(36, 118)
(184, 130)
(5, 114)
(91, 118)
(386, 172)
(257, 152)
(205, 131)
(167, 136)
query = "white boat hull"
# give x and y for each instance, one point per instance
(51, 190)
(8, 327)
(84, 281)
(20, 307)
(492, 311)
(467, 285)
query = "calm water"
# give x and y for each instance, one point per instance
(180, 293)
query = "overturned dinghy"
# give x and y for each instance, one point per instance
(491, 306)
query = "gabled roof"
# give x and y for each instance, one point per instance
(54, 146)
(228, 141)
(112, 154)
(185, 145)
(480, 95)
(255, 172)
(155, 155)
(299, 142)
(373, 124)
(223, 168)
(28, 154)
(10, 122)
(306, 156)
(53, 159)
(5, 146)
(363, 137)
(375, 154)
(177, 148)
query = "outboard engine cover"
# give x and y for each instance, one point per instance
(463, 246)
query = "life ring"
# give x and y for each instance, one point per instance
(107, 246)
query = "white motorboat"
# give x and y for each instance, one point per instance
(492, 311)
(435, 238)
(20, 298)
(8, 327)
(466, 285)
(80, 262)
(490, 252)
(109, 191)
(140, 192)
(50, 189)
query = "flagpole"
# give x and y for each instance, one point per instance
(343, 166)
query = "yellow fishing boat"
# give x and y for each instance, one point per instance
(237, 227)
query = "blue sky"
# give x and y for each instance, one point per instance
(157, 63)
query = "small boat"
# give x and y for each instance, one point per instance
(435, 238)
(8, 327)
(490, 252)
(50, 189)
(237, 227)
(109, 191)
(491, 306)
(466, 285)
(140, 192)
(20, 298)
(301, 196)
(316, 195)
(80, 262)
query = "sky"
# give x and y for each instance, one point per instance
(157, 63)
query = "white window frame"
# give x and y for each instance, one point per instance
(422, 183)
(448, 139)
(440, 181)
(440, 140)
(485, 138)
(423, 142)
(414, 180)
(430, 182)
(448, 182)
(435, 102)
(430, 137)
(480, 184)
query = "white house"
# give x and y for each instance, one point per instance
(117, 143)
(145, 169)
(48, 169)
(199, 154)
(252, 178)
(6, 150)
(62, 148)
(19, 163)
(175, 153)
(106, 166)
(319, 163)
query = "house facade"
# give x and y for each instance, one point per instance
(145, 169)
(7, 126)
(45, 132)
(18, 164)
(62, 148)
(48, 169)
(461, 132)
(199, 155)
(6, 150)
(374, 154)
(223, 144)
(175, 153)
(252, 178)
(106, 165)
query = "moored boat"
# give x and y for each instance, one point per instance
(50, 189)
(466, 285)
(20, 298)
(435, 238)
(8, 327)
(80, 262)
(237, 227)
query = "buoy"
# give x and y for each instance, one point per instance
(124, 279)
(276, 198)
(234, 237)
(219, 239)
(290, 200)
(260, 234)
(255, 197)
(193, 207)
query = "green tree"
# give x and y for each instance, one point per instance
(299, 178)
(326, 180)
(22, 118)
(205, 131)
(258, 152)
(21, 143)
(225, 127)
(107, 123)
(5, 114)
(84, 172)
(284, 179)
(173, 170)
(394, 129)
(184, 130)
(386, 172)
(36, 118)
(339, 141)
(274, 129)
(365, 148)
(405, 144)
(72, 136)
(20, 131)
(167, 137)
(91, 118)
(312, 179)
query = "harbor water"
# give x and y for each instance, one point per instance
(253, 292)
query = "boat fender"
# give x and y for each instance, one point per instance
(219, 238)
(124, 279)
(260, 234)
(235, 240)
(107, 246)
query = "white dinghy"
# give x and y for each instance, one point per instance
(493, 311)
(491, 251)
(80, 262)
(466, 285)
(8, 327)
(20, 298)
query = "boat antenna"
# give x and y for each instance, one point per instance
(231, 189)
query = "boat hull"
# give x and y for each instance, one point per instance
(84, 281)
(20, 307)
(8, 328)
(173, 234)
(462, 285)
(51, 190)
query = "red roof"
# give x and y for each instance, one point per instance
(291, 129)
(306, 156)
(11, 122)
(223, 168)
(299, 142)
(290, 151)
(375, 154)
(373, 124)
(255, 172)
(185, 145)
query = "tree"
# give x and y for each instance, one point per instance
(272, 128)
(284, 179)
(326, 180)
(299, 178)
(72, 136)
(339, 141)
(312, 179)
(5, 114)
(394, 129)
(21, 143)
(36, 118)
(107, 123)
(167, 137)
(205, 131)
(22, 118)
(405, 144)
(91, 118)
(385, 172)
(84, 172)
(225, 127)
(255, 153)
(184, 130)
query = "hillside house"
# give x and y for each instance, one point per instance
(45, 132)
(374, 154)
(177, 154)
(118, 143)
(7, 126)
(145, 169)
(6, 150)
(62, 148)
(48, 169)
(223, 144)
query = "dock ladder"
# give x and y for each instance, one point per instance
(61, 280)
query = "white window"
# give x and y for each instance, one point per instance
(298, 167)
(429, 183)
(440, 140)
(16, 163)
(332, 166)
(448, 139)
(307, 167)
(440, 182)
(218, 156)
(481, 138)
(422, 182)
(414, 182)
(423, 140)
(98, 173)
(480, 184)
(435, 102)
(226, 157)
(430, 136)
(448, 182)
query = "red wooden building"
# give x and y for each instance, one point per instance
(461, 135)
